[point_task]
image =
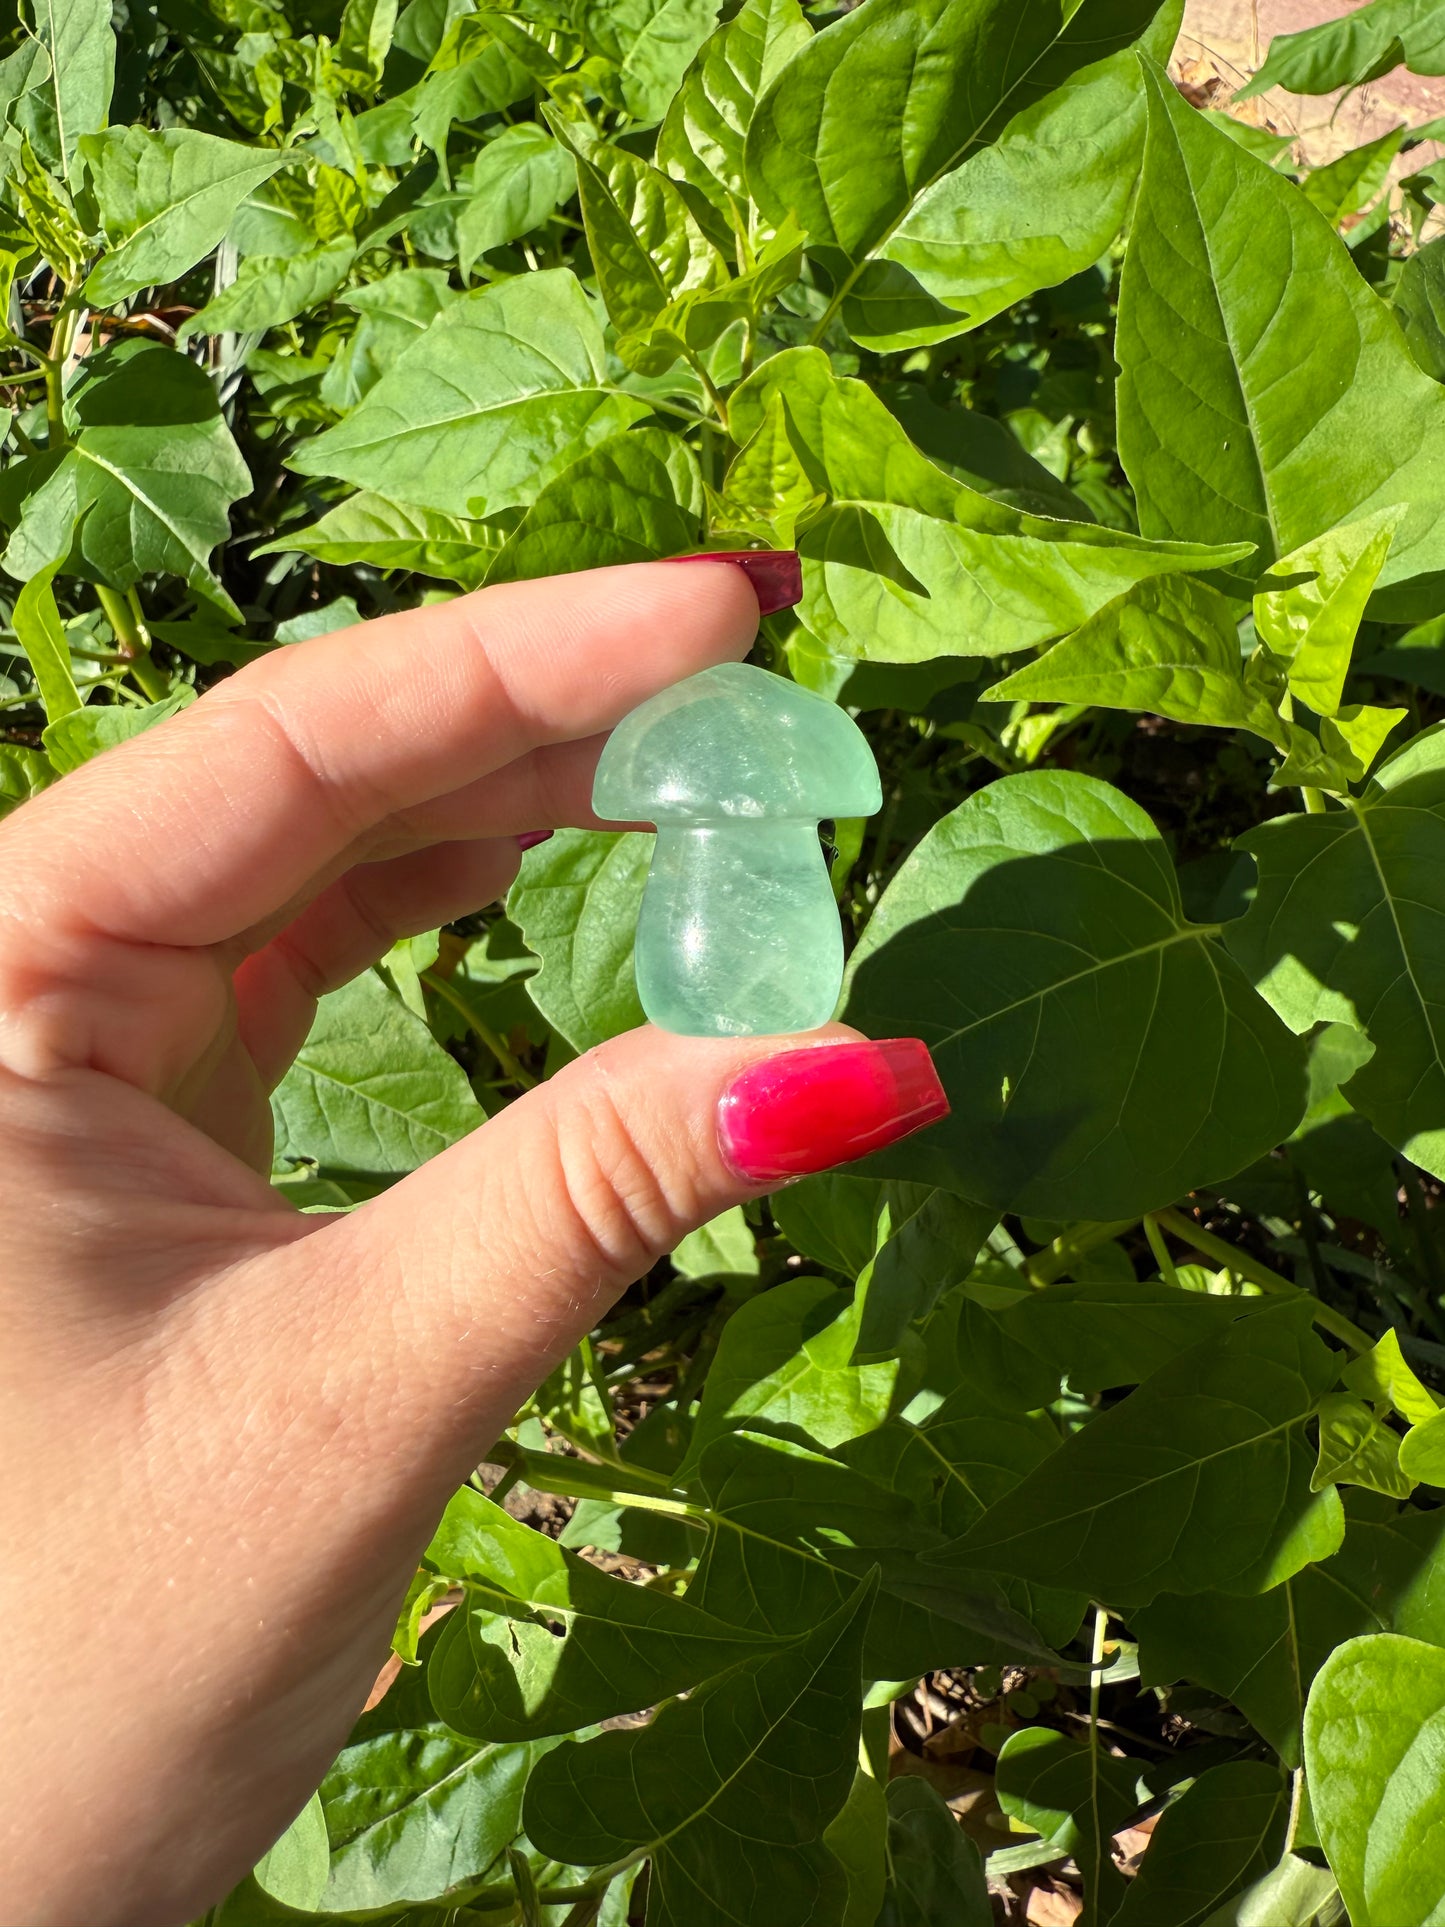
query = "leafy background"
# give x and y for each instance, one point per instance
(1044, 1519)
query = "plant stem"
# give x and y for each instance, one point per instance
(1045, 1266)
(133, 643)
(1160, 1249)
(1260, 1274)
(1096, 1666)
(1314, 801)
(507, 1064)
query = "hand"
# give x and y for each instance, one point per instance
(229, 1429)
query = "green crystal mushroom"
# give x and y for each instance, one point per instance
(738, 934)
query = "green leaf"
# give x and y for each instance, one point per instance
(165, 201)
(1309, 605)
(295, 1870)
(480, 68)
(75, 95)
(364, 42)
(517, 182)
(1074, 1796)
(370, 1090)
(393, 535)
(1037, 205)
(1101, 1053)
(906, 562)
(771, 1746)
(935, 1872)
(1224, 1832)
(1262, 1652)
(36, 622)
(723, 1247)
(785, 1358)
(73, 738)
(271, 289)
(23, 774)
(651, 42)
(792, 1529)
(413, 1809)
(1362, 45)
(857, 1838)
(1169, 646)
(1419, 304)
(1382, 1376)
(632, 499)
(926, 1241)
(1103, 1335)
(1348, 184)
(831, 1218)
(393, 312)
(1422, 1451)
(1372, 1745)
(504, 389)
(545, 1643)
(891, 97)
(701, 140)
(1341, 929)
(576, 904)
(146, 487)
(1356, 1448)
(48, 214)
(1229, 272)
(1199, 1479)
(645, 246)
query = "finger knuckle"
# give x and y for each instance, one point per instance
(621, 1205)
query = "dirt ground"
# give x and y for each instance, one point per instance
(1225, 41)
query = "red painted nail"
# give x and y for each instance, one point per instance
(531, 838)
(808, 1110)
(776, 574)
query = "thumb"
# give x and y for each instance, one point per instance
(488, 1265)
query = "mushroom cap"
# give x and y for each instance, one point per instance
(735, 742)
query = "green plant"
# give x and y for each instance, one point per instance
(1099, 1423)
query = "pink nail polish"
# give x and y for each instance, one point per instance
(776, 574)
(807, 1110)
(531, 838)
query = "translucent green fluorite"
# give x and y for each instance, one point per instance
(738, 933)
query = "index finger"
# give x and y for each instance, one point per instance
(194, 832)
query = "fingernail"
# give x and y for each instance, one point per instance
(531, 838)
(776, 574)
(807, 1110)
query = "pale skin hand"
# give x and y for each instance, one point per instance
(229, 1429)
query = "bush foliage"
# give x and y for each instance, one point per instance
(1113, 441)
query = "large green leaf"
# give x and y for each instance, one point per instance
(545, 1643)
(271, 289)
(652, 43)
(146, 487)
(394, 535)
(925, 1240)
(785, 1361)
(894, 95)
(576, 903)
(1262, 1652)
(505, 388)
(1361, 45)
(1374, 1741)
(645, 246)
(1226, 1831)
(413, 1808)
(517, 181)
(1102, 1335)
(1306, 408)
(1102, 1054)
(632, 499)
(792, 1529)
(74, 96)
(370, 1091)
(1039, 204)
(392, 313)
(165, 201)
(935, 1872)
(770, 1748)
(1199, 1479)
(1345, 926)
(701, 141)
(1075, 1796)
(905, 562)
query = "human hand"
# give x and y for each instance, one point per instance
(229, 1428)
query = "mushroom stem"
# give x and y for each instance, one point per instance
(739, 934)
